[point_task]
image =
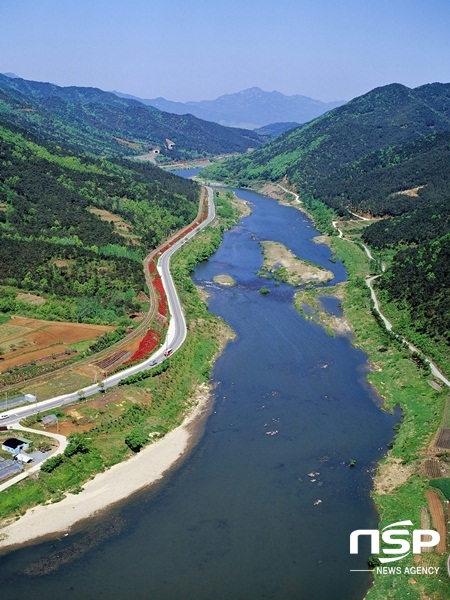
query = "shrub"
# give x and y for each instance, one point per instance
(136, 439)
(373, 562)
(51, 464)
(77, 444)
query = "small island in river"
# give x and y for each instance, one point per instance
(224, 280)
(284, 264)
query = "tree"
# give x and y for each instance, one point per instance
(136, 439)
(373, 562)
(51, 464)
(77, 444)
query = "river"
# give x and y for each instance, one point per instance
(264, 505)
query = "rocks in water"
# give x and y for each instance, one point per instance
(226, 280)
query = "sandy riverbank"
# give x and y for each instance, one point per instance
(292, 269)
(113, 485)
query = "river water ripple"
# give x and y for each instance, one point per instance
(264, 505)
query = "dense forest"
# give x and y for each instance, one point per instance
(385, 154)
(75, 229)
(419, 283)
(393, 115)
(376, 184)
(273, 130)
(89, 120)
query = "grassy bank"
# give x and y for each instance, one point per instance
(437, 350)
(400, 483)
(115, 425)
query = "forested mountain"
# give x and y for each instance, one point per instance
(74, 229)
(92, 121)
(273, 130)
(384, 154)
(418, 282)
(387, 116)
(250, 108)
(384, 182)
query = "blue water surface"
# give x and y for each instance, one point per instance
(264, 505)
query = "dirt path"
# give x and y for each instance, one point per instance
(438, 518)
(369, 282)
(296, 196)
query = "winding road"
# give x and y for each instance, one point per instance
(369, 282)
(297, 197)
(175, 337)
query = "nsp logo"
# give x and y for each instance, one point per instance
(395, 541)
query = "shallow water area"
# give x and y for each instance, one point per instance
(331, 305)
(264, 505)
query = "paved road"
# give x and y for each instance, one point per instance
(176, 335)
(62, 445)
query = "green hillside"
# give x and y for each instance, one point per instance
(89, 120)
(389, 116)
(74, 230)
(384, 154)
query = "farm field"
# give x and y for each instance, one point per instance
(24, 340)
(62, 384)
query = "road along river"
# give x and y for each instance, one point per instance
(265, 504)
(174, 339)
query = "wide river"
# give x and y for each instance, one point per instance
(264, 505)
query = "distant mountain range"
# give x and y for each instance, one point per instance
(314, 154)
(383, 154)
(250, 109)
(100, 123)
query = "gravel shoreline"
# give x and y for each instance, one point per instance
(116, 484)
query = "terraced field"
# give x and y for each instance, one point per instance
(26, 341)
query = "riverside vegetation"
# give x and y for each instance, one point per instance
(402, 382)
(384, 156)
(150, 404)
(282, 264)
(74, 231)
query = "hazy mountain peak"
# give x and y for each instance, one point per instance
(91, 120)
(250, 108)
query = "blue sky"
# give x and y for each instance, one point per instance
(200, 49)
